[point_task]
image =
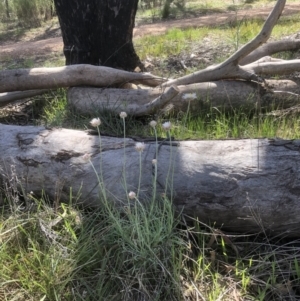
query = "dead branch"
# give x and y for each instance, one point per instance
(9, 97)
(73, 75)
(270, 48)
(230, 68)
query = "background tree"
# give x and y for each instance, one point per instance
(32, 13)
(98, 32)
(7, 9)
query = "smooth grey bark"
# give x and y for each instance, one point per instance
(74, 75)
(223, 94)
(270, 48)
(242, 65)
(241, 185)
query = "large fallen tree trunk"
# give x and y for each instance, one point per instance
(242, 185)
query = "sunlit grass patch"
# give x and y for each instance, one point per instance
(36, 260)
(208, 123)
(216, 123)
(173, 42)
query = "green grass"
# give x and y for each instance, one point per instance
(216, 124)
(105, 254)
(137, 252)
(211, 123)
(173, 42)
(176, 41)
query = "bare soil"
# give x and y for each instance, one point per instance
(46, 44)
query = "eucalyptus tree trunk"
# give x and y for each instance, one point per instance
(98, 32)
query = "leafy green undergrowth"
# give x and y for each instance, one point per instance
(104, 254)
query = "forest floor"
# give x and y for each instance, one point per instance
(42, 47)
(50, 40)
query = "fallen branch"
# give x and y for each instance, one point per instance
(231, 68)
(270, 68)
(270, 48)
(68, 76)
(9, 97)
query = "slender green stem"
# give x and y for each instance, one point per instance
(101, 179)
(170, 163)
(97, 175)
(155, 166)
(140, 176)
(124, 165)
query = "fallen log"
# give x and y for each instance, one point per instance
(223, 94)
(241, 185)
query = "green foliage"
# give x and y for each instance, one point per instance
(173, 42)
(236, 34)
(36, 260)
(27, 12)
(110, 253)
(2, 10)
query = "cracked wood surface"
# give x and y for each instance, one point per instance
(242, 185)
